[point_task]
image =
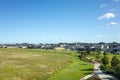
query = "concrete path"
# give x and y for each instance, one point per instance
(86, 77)
(101, 75)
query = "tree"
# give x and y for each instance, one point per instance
(97, 56)
(105, 53)
(82, 55)
(98, 52)
(88, 52)
(105, 61)
(118, 70)
(115, 61)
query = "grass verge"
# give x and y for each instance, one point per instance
(74, 71)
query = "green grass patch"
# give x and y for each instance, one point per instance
(74, 71)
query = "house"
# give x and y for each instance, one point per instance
(65, 46)
(47, 46)
(59, 48)
(114, 48)
(1, 46)
(78, 48)
(4, 46)
(13, 46)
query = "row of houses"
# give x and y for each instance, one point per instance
(110, 47)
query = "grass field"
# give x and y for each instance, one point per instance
(26, 64)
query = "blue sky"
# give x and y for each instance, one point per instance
(53, 21)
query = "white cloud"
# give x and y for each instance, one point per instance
(100, 36)
(115, 0)
(107, 16)
(113, 23)
(102, 5)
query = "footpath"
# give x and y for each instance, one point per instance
(102, 75)
(99, 73)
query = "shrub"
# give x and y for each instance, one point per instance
(117, 70)
(105, 61)
(115, 61)
(102, 67)
(110, 71)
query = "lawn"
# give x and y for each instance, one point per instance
(74, 71)
(26, 64)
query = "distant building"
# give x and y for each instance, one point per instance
(114, 48)
(47, 46)
(78, 48)
(4, 46)
(15, 46)
(24, 47)
(59, 48)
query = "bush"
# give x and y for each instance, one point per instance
(105, 60)
(98, 60)
(102, 67)
(81, 57)
(118, 70)
(110, 71)
(115, 61)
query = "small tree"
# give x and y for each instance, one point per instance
(105, 61)
(98, 52)
(88, 52)
(115, 61)
(97, 56)
(118, 71)
(105, 53)
(82, 55)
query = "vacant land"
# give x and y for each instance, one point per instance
(26, 64)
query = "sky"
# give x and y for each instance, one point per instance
(54, 21)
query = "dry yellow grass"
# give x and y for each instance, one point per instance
(25, 64)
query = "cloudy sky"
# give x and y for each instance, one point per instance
(53, 21)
